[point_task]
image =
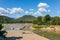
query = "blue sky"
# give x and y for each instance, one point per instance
(18, 8)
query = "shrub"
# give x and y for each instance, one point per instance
(2, 32)
(37, 27)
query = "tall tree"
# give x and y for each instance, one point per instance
(39, 19)
(56, 20)
(47, 18)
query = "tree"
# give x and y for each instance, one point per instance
(34, 21)
(47, 19)
(55, 20)
(39, 19)
(2, 32)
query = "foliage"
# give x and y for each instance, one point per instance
(37, 27)
(51, 26)
(47, 18)
(2, 32)
(1, 26)
(23, 19)
(26, 18)
(49, 35)
(55, 21)
(39, 19)
(34, 21)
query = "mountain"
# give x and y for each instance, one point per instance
(5, 19)
(26, 18)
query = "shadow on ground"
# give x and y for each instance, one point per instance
(11, 38)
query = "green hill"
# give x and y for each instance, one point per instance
(26, 18)
(5, 19)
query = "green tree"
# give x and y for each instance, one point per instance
(56, 20)
(2, 32)
(47, 19)
(34, 21)
(39, 19)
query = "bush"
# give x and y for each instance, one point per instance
(2, 32)
(51, 26)
(37, 27)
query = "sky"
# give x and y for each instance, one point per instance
(18, 8)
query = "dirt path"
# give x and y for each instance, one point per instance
(31, 36)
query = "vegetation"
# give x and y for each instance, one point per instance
(1, 31)
(34, 21)
(49, 35)
(48, 20)
(37, 27)
(26, 18)
(40, 20)
(23, 19)
(5, 19)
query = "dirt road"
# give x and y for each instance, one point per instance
(27, 36)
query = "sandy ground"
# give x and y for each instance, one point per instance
(33, 36)
(27, 36)
(57, 29)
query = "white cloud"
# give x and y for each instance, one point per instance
(37, 13)
(16, 10)
(43, 5)
(42, 10)
(3, 11)
(7, 11)
(29, 12)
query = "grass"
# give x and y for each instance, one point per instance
(40, 26)
(49, 35)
